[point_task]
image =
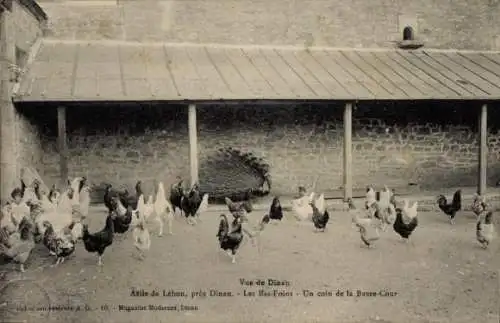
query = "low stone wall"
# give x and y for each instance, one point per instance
(301, 148)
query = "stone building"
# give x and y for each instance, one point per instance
(273, 77)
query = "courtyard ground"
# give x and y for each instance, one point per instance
(444, 276)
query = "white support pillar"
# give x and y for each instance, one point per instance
(193, 144)
(348, 151)
(62, 146)
(483, 149)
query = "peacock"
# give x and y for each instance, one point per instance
(231, 173)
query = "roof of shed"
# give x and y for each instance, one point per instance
(121, 71)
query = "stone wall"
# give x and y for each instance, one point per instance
(20, 143)
(357, 23)
(395, 148)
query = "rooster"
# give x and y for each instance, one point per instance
(320, 215)
(230, 238)
(190, 204)
(162, 210)
(485, 229)
(451, 209)
(240, 210)
(60, 246)
(367, 225)
(406, 220)
(99, 241)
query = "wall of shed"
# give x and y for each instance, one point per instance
(358, 23)
(300, 147)
(20, 141)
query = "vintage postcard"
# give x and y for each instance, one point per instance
(249, 161)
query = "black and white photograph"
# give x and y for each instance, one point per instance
(249, 161)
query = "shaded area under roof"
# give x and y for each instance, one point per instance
(113, 71)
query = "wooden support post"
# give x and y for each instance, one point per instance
(193, 144)
(483, 149)
(62, 144)
(348, 151)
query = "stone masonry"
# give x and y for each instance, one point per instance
(20, 143)
(461, 24)
(303, 151)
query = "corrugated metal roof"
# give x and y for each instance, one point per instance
(71, 71)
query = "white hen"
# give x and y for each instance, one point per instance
(61, 216)
(301, 207)
(409, 212)
(163, 210)
(386, 210)
(145, 209)
(142, 240)
(370, 197)
(203, 205)
(84, 201)
(320, 203)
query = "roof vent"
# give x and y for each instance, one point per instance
(408, 26)
(409, 41)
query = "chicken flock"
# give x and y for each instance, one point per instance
(58, 219)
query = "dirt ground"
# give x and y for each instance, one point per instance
(444, 276)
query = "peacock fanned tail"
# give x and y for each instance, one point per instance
(229, 172)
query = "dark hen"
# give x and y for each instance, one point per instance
(452, 208)
(276, 212)
(82, 183)
(402, 228)
(20, 249)
(190, 203)
(109, 193)
(319, 219)
(37, 189)
(230, 238)
(350, 204)
(99, 241)
(23, 188)
(128, 199)
(263, 222)
(138, 189)
(57, 246)
(123, 216)
(53, 194)
(176, 194)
